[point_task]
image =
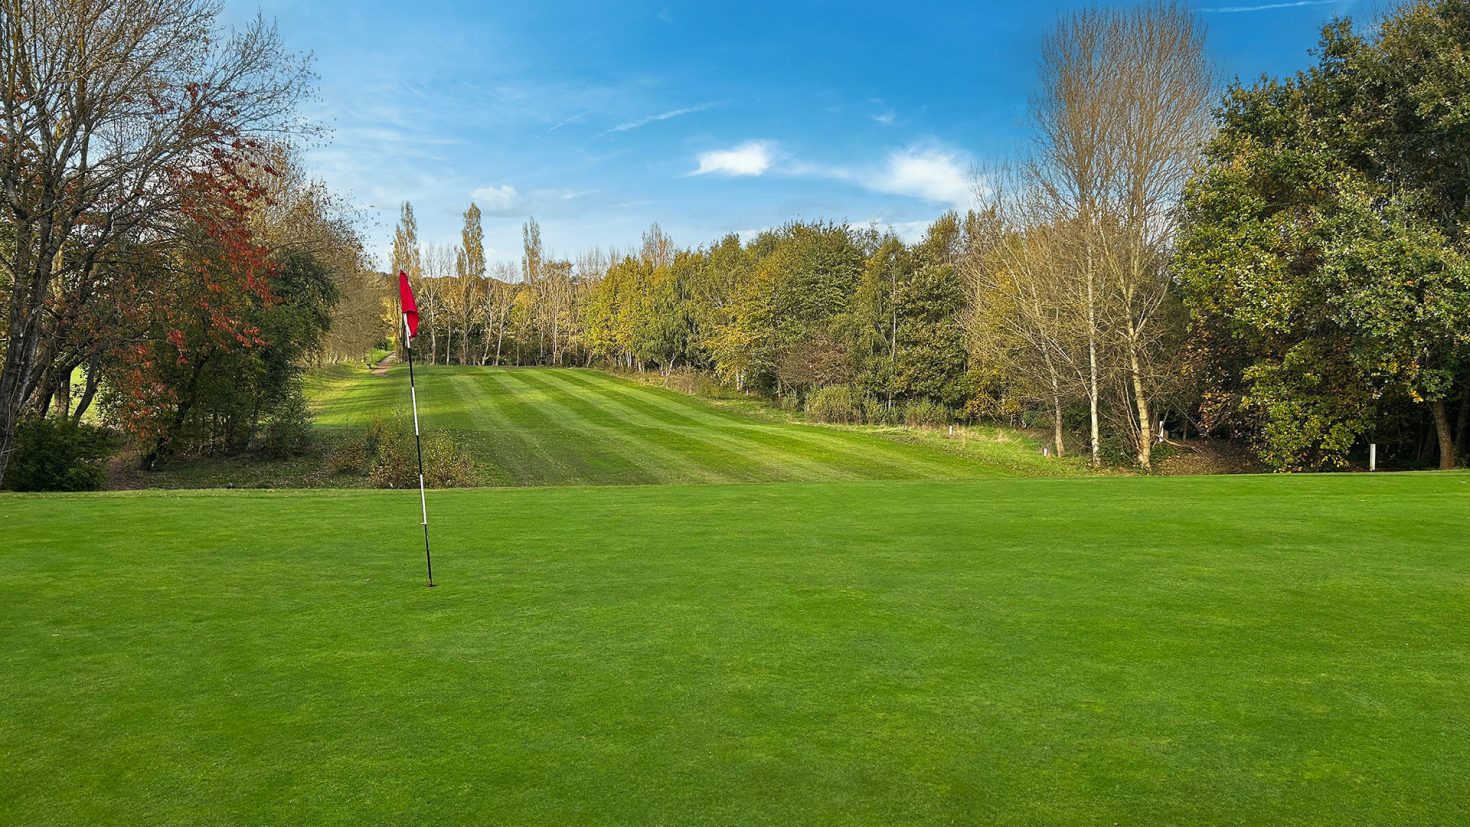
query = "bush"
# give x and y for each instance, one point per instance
(876, 413)
(834, 403)
(698, 383)
(789, 402)
(447, 464)
(925, 413)
(356, 452)
(287, 431)
(56, 455)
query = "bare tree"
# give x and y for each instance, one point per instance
(496, 303)
(438, 288)
(1162, 88)
(1071, 164)
(1122, 116)
(1030, 312)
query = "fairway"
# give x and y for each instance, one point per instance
(565, 426)
(1240, 650)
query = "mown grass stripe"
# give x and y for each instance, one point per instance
(354, 399)
(892, 459)
(589, 460)
(641, 455)
(517, 452)
(693, 444)
(783, 457)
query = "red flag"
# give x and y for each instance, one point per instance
(410, 307)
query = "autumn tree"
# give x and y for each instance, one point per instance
(107, 109)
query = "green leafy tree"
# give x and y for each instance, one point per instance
(1324, 261)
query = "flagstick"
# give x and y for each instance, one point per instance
(418, 443)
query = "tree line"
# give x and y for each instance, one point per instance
(1284, 264)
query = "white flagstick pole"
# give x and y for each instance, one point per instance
(413, 395)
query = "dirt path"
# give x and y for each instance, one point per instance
(381, 368)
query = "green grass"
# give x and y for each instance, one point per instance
(563, 426)
(1242, 650)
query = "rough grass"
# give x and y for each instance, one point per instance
(565, 426)
(1242, 650)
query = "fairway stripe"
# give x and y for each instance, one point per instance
(890, 456)
(769, 448)
(522, 467)
(589, 461)
(742, 447)
(664, 465)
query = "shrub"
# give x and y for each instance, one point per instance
(56, 455)
(789, 402)
(287, 431)
(834, 403)
(875, 412)
(925, 413)
(447, 464)
(349, 457)
(356, 452)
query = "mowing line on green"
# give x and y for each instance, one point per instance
(657, 463)
(777, 460)
(887, 456)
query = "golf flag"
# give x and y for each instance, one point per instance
(410, 307)
(411, 324)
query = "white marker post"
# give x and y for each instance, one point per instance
(1372, 456)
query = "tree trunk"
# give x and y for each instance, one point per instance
(155, 456)
(27, 297)
(62, 407)
(1056, 423)
(1462, 430)
(89, 391)
(1092, 391)
(1446, 438)
(1140, 399)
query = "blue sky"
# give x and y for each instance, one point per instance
(707, 117)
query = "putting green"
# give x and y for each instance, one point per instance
(1114, 650)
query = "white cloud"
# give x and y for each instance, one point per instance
(750, 158)
(662, 116)
(747, 235)
(498, 200)
(931, 174)
(885, 118)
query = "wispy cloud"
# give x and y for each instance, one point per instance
(662, 116)
(749, 158)
(505, 201)
(885, 114)
(573, 119)
(1267, 6)
(927, 172)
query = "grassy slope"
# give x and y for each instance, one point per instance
(562, 426)
(1232, 650)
